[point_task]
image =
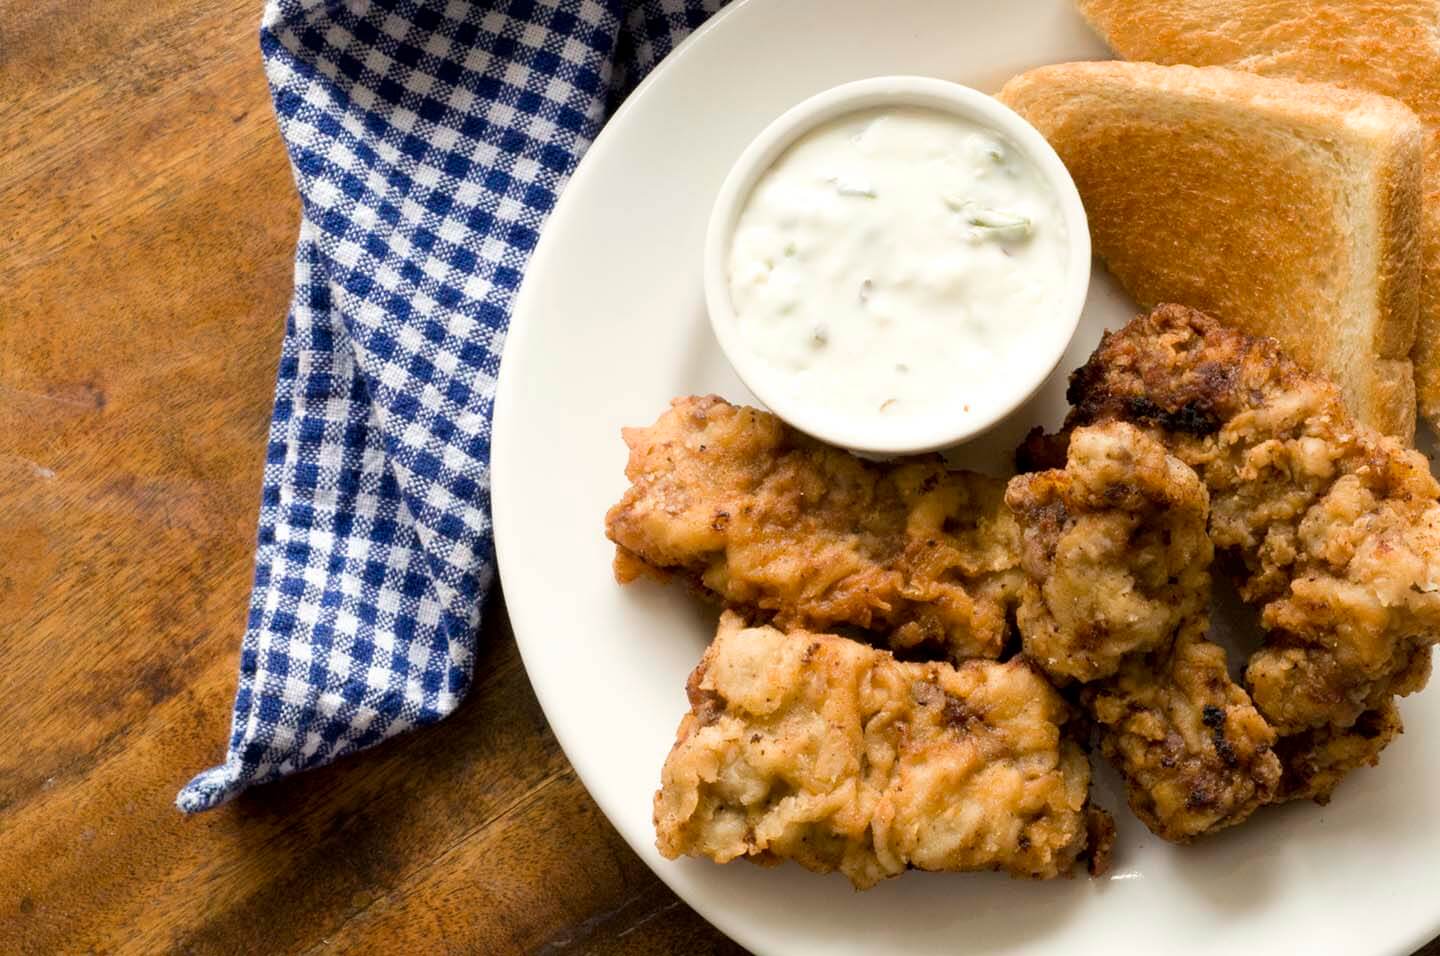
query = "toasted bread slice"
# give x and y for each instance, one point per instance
(1287, 209)
(1382, 46)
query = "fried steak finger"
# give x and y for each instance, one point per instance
(1195, 753)
(1331, 529)
(821, 750)
(1318, 759)
(791, 531)
(1116, 548)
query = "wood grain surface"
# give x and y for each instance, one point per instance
(148, 220)
(147, 228)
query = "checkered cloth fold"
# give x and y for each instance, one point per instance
(429, 140)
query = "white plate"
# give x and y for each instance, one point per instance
(611, 325)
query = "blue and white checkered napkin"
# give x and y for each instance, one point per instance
(429, 139)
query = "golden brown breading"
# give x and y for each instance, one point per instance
(1115, 543)
(824, 751)
(1318, 759)
(786, 529)
(1116, 546)
(1195, 753)
(1334, 529)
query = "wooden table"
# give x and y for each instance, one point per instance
(148, 221)
(148, 224)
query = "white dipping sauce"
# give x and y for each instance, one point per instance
(896, 261)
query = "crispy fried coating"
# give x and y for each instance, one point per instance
(1195, 753)
(1333, 530)
(821, 750)
(1115, 544)
(1316, 760)
(788, 530)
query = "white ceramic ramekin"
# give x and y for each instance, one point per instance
(947, 426)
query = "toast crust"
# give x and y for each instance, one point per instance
(1288, 209)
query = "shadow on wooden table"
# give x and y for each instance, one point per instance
(473, 834)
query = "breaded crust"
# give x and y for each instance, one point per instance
(787, 530)
(821, 750)
(1331, 529)
(1116, 548)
